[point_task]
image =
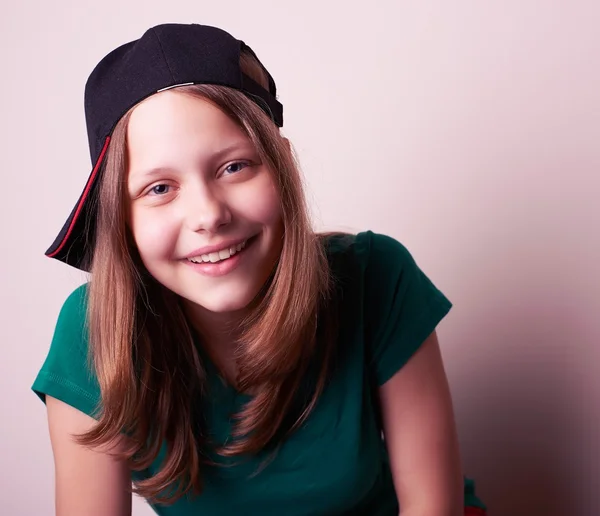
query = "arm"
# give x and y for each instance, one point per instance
(88, 482)
(420, 435)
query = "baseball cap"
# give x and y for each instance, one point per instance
(166, 56)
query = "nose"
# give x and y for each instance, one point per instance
(206, 209)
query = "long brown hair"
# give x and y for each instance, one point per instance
(141, 346)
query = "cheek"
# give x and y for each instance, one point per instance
(155, 234)
(266, 212)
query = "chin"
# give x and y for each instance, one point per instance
(224, 302)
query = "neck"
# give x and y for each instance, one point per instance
(219, 331)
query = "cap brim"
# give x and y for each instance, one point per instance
(74, 243)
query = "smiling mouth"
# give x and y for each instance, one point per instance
(219, 256)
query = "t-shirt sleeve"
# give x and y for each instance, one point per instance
(402, 306)
(65, 374)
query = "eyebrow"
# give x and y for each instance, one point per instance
(157, 171)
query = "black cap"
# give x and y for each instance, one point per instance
(165, 56)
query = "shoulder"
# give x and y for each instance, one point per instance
(372, 254)
(380, 249)
(67, 373)
(376, 273)
(73, 313)
(76, 302)
(394, 303)
(71, 331)
(364, 244)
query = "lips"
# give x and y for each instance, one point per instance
(220, 255)
(222, 265)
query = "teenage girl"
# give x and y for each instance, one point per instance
(223, 358)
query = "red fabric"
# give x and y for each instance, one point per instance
(83, 198)
(474, 511)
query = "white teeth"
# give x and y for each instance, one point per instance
(223, 254)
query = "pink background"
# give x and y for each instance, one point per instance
(468, 130)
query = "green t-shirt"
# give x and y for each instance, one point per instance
(336, 463)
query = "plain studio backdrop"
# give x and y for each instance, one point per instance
(468, 130)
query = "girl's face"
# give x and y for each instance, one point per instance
(204, 211)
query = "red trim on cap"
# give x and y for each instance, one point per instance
(474, 511)
(86, 191)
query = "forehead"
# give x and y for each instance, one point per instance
(171, 123)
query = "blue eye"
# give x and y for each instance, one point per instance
(238, 166)
(159, 189)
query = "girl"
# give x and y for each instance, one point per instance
(223, 356)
